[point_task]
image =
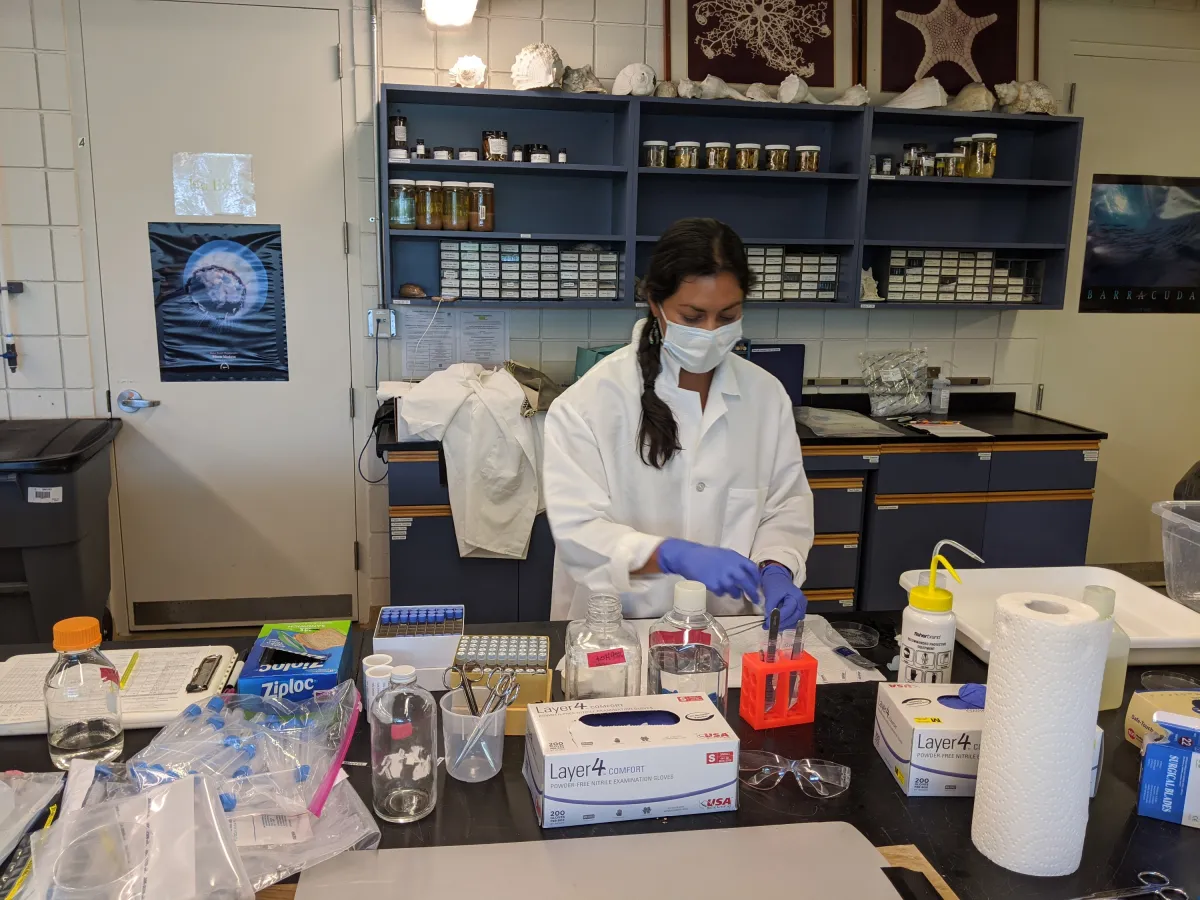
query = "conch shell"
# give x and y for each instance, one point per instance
(688, 88)
(760, 92)
(1026, 97)
(666, 89)
(854, 96)
(794, 89)
(636, 79)
(581, 81)
(468, 72)
(975, 97)
(537, 66)
(924, 94)
(714, 88)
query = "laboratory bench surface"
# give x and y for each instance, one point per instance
(1119, 843)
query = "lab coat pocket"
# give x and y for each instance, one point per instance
(743, 511)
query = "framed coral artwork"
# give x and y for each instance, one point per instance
(956, 41)
(744, 41)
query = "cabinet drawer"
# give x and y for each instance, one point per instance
(1037, 529)
(830, 601)
(841, 458)
(934, 469)
(832, 562)
(837, 504)
(416, 478)
(1044, 466)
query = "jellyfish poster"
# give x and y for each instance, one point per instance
(1143, 245)
(218, 302)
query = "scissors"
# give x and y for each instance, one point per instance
(469, 675)
(505, 691)
(1152, 884)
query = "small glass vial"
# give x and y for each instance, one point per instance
(748, 156)
(518, 153)
(939, 395)
(83, 696)
(687, 155)
(912, 155)
(1112, 688)
(981, 161)
(419, 151)
(604, 656)
(654, 154)
(962, 145)
(483, 206)
(689, 650)
(429, 205)
(926, 166)
(402, 203)
(468, 153)
(539, 153)
(562, 156)
(956, 165)
(443, 153)
(495, 146)
(939, 163)
(778, 157)
(397, 139)
(456, 205)
(716, 155)
(404, 727)
(808, 158)
(885, 165)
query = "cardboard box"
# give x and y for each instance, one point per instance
(292, 659)
(1170, 765)
(594, 761)
(1139, 717)
(932, 749)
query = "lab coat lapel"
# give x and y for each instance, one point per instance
(723, 391)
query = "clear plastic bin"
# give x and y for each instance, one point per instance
(1181, 549)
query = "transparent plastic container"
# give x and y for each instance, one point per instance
(404, 759)
(83, 696)
(689, 650)
(467, 761)
(1181, 549)
(604, 656)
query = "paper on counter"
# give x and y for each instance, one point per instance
(949, 430)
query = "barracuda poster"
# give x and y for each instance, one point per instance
(218, 302)
(1143, 245)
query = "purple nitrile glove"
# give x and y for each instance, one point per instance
(779, 592)
(720, 570)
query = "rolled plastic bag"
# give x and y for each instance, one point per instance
(23, 798)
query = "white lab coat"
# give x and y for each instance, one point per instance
(738, 481)
(493, 455)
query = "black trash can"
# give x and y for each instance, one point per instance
(54, 484)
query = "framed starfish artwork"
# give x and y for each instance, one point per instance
(956, 41)
(744, 41)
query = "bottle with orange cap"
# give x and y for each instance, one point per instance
(928, 626)
(83, 696)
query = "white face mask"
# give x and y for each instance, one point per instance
(699, 350)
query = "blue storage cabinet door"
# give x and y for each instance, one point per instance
(1037, 531)
(417, 477)
(426, 568)
(837, 503)
(933, 468)
(832, 562)
(1064, 466)
(843, 458)
(901, 533)
(535, 574)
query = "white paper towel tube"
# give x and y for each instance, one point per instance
(1039, 723)
(375, 680)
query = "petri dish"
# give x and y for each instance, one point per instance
(1162, 680)
(860, 637)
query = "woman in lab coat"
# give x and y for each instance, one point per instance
(672, 458)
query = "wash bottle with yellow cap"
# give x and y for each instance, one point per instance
(928, 625)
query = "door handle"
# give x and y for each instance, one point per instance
(131, 401)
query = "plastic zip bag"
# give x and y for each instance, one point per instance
(897, 382)
(168, 841)
(266, 755)
(23, 797)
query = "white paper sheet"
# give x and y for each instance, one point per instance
(949, 430)
(436, 339)
(482, 337)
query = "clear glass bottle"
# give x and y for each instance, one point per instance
(604, 656)
(83, 696)
(1112, 690)
(939, 393)
(404, 759)
(689, 650)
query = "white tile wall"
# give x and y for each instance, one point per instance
(24, 197)
(18, 80)
(20, 138)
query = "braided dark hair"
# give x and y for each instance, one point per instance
(690, 248)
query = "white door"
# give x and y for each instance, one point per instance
(236, 499)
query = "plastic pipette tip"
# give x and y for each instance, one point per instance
(302, 772)
(228, 802)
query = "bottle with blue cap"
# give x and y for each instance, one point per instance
(928, 626)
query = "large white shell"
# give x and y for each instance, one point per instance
(760, 92)
(1026, 96)
(468, 72)
(854, 96)
(714, 88)
(666, 89)
(581, 81)
(537, 66)
(636, 79)
(688, 88)
(975, 97)
(924, 94)
(870, 287)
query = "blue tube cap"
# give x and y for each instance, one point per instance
(302, 772)
(228, 802)
(216, 704)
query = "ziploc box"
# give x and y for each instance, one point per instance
(590, 761)
(292, 659)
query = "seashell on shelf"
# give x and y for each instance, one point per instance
(714, 88)
(854, 96)
(1026, 97)
(411, 290)
(870, 287)
(666, 89)
(975, 97)
(468, 72)
(537, 66)
(760, 92)
(688, 88)
(581, 81)
(636, 79)
(794, 89)
(924, 94)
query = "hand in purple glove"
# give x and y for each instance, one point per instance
(720, 570)
(779, 592)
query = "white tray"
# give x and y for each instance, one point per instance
(1160, 630)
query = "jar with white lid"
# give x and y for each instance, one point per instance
(483, 205)
(716, 155)
(429, 205)
(402, 203)
(808, 157)
(981, 159)
(778, 157)
(456, 205)
(654, 154)
(747, 156)
(687, 154)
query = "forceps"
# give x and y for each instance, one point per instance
(1152, 884)
(468, 677)
(503, 692)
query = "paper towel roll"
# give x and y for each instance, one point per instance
(1039, 724)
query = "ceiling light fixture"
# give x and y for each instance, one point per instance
(449, 13)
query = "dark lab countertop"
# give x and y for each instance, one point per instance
(1119, 844)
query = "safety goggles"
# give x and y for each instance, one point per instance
(818, 778)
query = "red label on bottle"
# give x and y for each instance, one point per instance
(401, 730)
(613, 657)
(108, 673)
(680, 637)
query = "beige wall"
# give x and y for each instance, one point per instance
(1137, 377)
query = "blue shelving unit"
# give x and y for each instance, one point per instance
(604, 195)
